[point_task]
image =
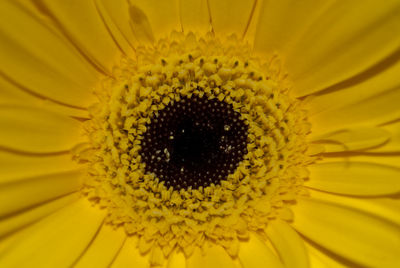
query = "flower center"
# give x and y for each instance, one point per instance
(194, 142)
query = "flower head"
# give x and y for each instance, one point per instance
(199, 133)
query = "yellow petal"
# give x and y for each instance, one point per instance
(34, 130)
(21, 220)
(120, 39)
(352, 234)
(24, 194)
(369, 112)
(33, 165)
(140, 25)
(195, 16)
(82, 24)
(393, 145)
(252, 27)
(361, 36)
(354, 178)
(118, 10)
(392, 160)
(213, 256)
(379, 86)
(388, 155)
(288, 244)
(353, 139)
(176, 260)
(103, 249)
(230, 17)
(56, 241)
(11, 93)
(42, 63)
(255, 253)
(319, 258)
(283, 22)
(384, 207)
(314, 149)
(163, 16)
(379, 79)
(129, 256)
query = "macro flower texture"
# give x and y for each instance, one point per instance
(200, 133)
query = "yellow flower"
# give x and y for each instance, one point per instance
(199, 133)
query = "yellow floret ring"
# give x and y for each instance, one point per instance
(135, 172)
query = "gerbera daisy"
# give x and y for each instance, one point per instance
(199, 133)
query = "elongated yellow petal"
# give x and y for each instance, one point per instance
(34, 130)
(386, 159)
(213, 256)
(118, 11)
(288, 244)
(353, 139)
(380, 79)
(24, 194)
(11, 93)
(370, 112)
(195, 16)
(230, 17)
(353, 234)
(56, 241)
(393, 145)
(140, 25)
(163, 16)
(383, 207)
(355, 178)
(84, 27)
(117, 34)
(319, 258)
(361, 97)
(103, 249)
(255, 253)
(360, 37)
(129, 256)
(21, 220)
(252, 27)
(282, 23)
(33, 165)
(40, 61)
